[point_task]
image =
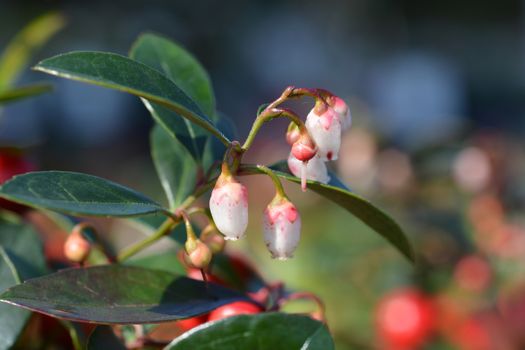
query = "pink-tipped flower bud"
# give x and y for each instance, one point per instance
(77, 247)
(213, 239)
(282, 228)
(343, 111)
(315, 168)
(304, 148)
(199, 255)
(229, 207)
(325, 129)
(292, 134)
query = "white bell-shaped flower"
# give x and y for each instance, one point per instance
(343, 112)
(315, 168)
(325, 129)
(282, 228)
(229, 207)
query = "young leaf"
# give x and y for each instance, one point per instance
(276, 331)
(175, 166)
(77, 194)
(21, 257)
(177, 64)
(374, 217)
(19, 51)
(19, 93)
(116, 294)
(121, 73)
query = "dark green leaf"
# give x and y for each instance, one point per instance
(21, 257)
(116, 294)
(184, 70)
(19, 93)
(103, 337)
(121, 73)
(177, 64)
(175, 166)
(76, 194)
(359, 207)
(164, 261)
(276, 331)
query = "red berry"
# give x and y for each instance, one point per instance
(189, 323)
(405, 319)
(234, 309)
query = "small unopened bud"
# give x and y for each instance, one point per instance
(199, 255)
(292, 134)
(77, 247)
(324, 126)
(282, 228)
(342, 110)
(304, 148)
(229, 207)
(315, 168)
(213, 239)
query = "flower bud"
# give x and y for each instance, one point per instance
(77, 247)
(292, 134)
(229, 207)
(343, 111)
(282, 228)
(304, 148)
(315, 168)
(199, 255)
(325, 129)
(213, 239)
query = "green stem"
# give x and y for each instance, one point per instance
(166, 226)
(267, 115)
(163, 230)
(277, 183)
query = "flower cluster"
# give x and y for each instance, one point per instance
(312, 144)
(324, 124)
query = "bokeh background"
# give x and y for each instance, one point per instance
(436, 91)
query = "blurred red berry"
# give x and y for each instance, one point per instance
(405, 319)
(11, 165)
(234, 309)
(473, 273)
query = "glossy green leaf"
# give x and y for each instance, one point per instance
(76, 194)
(116, 294)
(184, 70)
(15, 94)
(335, 191)
(177, 64)
(175, 166)
(121, 73)
(103, 337)
(21, 257)
(18, 52)
(167, 261)
(276, 331)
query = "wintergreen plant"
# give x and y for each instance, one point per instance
(195, 151)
